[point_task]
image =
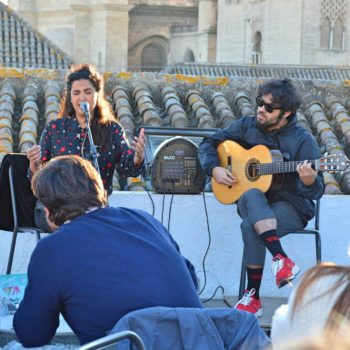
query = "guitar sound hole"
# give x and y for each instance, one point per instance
(252, 170)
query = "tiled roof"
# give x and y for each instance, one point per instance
(29, 101)
(22, 46)
(262, 71)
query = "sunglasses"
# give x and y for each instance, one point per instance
(269, 107)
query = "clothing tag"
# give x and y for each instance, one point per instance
(88, 211)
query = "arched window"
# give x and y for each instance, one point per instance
(153, 58)
(326, 30)
(256, 52)
(189, 56)
(338, 34)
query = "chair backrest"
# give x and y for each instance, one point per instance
(192, 329)
(113, 339)
(15, 165)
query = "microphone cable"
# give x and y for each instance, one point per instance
(163, 203)
(149, 196)
(169, 214)
(208, 246)
(83, 146)
(205, 256)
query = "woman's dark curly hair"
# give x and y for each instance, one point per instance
(103, 114)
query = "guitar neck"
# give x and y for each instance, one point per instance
(283, 167)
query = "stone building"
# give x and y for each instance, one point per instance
(284, 32)
(307, 32)
(121, 34)
(115, 34)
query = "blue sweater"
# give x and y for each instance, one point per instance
(97, 268)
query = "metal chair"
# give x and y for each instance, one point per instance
(306, 231)
(114, 338)
(17, 201)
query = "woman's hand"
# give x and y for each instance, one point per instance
(34, 156)
(138, 145)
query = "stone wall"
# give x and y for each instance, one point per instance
(111, 34)
(152, 25)
(238, 23)
(290, 32)
(187, 224)
(290, 29)
(181, 43)
(311, 52)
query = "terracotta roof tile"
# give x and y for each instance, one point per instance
(22, 46)
(28, 101)
(262, 71)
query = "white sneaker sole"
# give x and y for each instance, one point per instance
(259, 313)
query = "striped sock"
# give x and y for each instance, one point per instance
(254, 280)
(272, 242)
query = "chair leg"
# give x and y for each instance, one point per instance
(242, 279)
(38, 237)
(318, 248)
(12, 251)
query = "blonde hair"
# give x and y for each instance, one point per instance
(321, 342)
(341, 309)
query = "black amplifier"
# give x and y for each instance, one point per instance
(175, 167)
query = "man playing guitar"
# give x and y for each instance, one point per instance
(268, 216)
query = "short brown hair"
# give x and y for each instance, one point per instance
(68, 186)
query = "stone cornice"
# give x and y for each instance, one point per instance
(52, 13)
(101, 7)
(153, 10)
(188, 3)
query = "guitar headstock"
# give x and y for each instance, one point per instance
(333, 163)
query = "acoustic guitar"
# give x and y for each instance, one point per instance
(257, 167)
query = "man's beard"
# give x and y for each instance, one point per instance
(266, 126)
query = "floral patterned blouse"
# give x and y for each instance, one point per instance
(64, 136)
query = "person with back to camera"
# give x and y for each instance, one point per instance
(268, 216)
(318, 306)
(101, 262)
(68, 133)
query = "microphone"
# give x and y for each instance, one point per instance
(85, 108)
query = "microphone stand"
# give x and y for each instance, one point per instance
(93, 149)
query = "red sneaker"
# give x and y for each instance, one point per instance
(250, 303)
(284, 269)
